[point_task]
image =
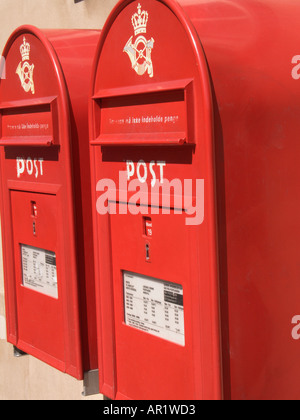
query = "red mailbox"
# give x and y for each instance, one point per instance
(46, 204)
(152, 129)
(195, 182)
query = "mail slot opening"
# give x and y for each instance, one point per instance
(162, 115)
(29, 124)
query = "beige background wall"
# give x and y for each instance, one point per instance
(27, 378)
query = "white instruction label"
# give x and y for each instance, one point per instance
(154, 306)
(39, 270)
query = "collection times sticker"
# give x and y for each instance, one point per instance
(154, 306)
(39, 270)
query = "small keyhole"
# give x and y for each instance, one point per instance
(33, 228)
(33, 209)
(147, 252)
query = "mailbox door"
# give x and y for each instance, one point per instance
(152, 162)
(152, 314)
(36, 241)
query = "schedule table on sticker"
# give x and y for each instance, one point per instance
(154, 306)
(39, 270)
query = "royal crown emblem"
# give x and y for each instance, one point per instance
(140, 51)
(25, 50)
(139, 21)
(24, 69)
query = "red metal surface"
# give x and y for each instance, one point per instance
(45, 201)
(251, 47)
(243, 120)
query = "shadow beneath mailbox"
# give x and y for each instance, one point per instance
(46, 153)
(170, 154)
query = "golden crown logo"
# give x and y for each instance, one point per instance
(25, 50)
(139, 21)
(140, 51)
(24, 69)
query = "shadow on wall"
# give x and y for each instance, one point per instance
(95, 10)
(86, 14)
(91, 5)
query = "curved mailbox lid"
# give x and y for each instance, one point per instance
(151, 101)
(41, 145)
